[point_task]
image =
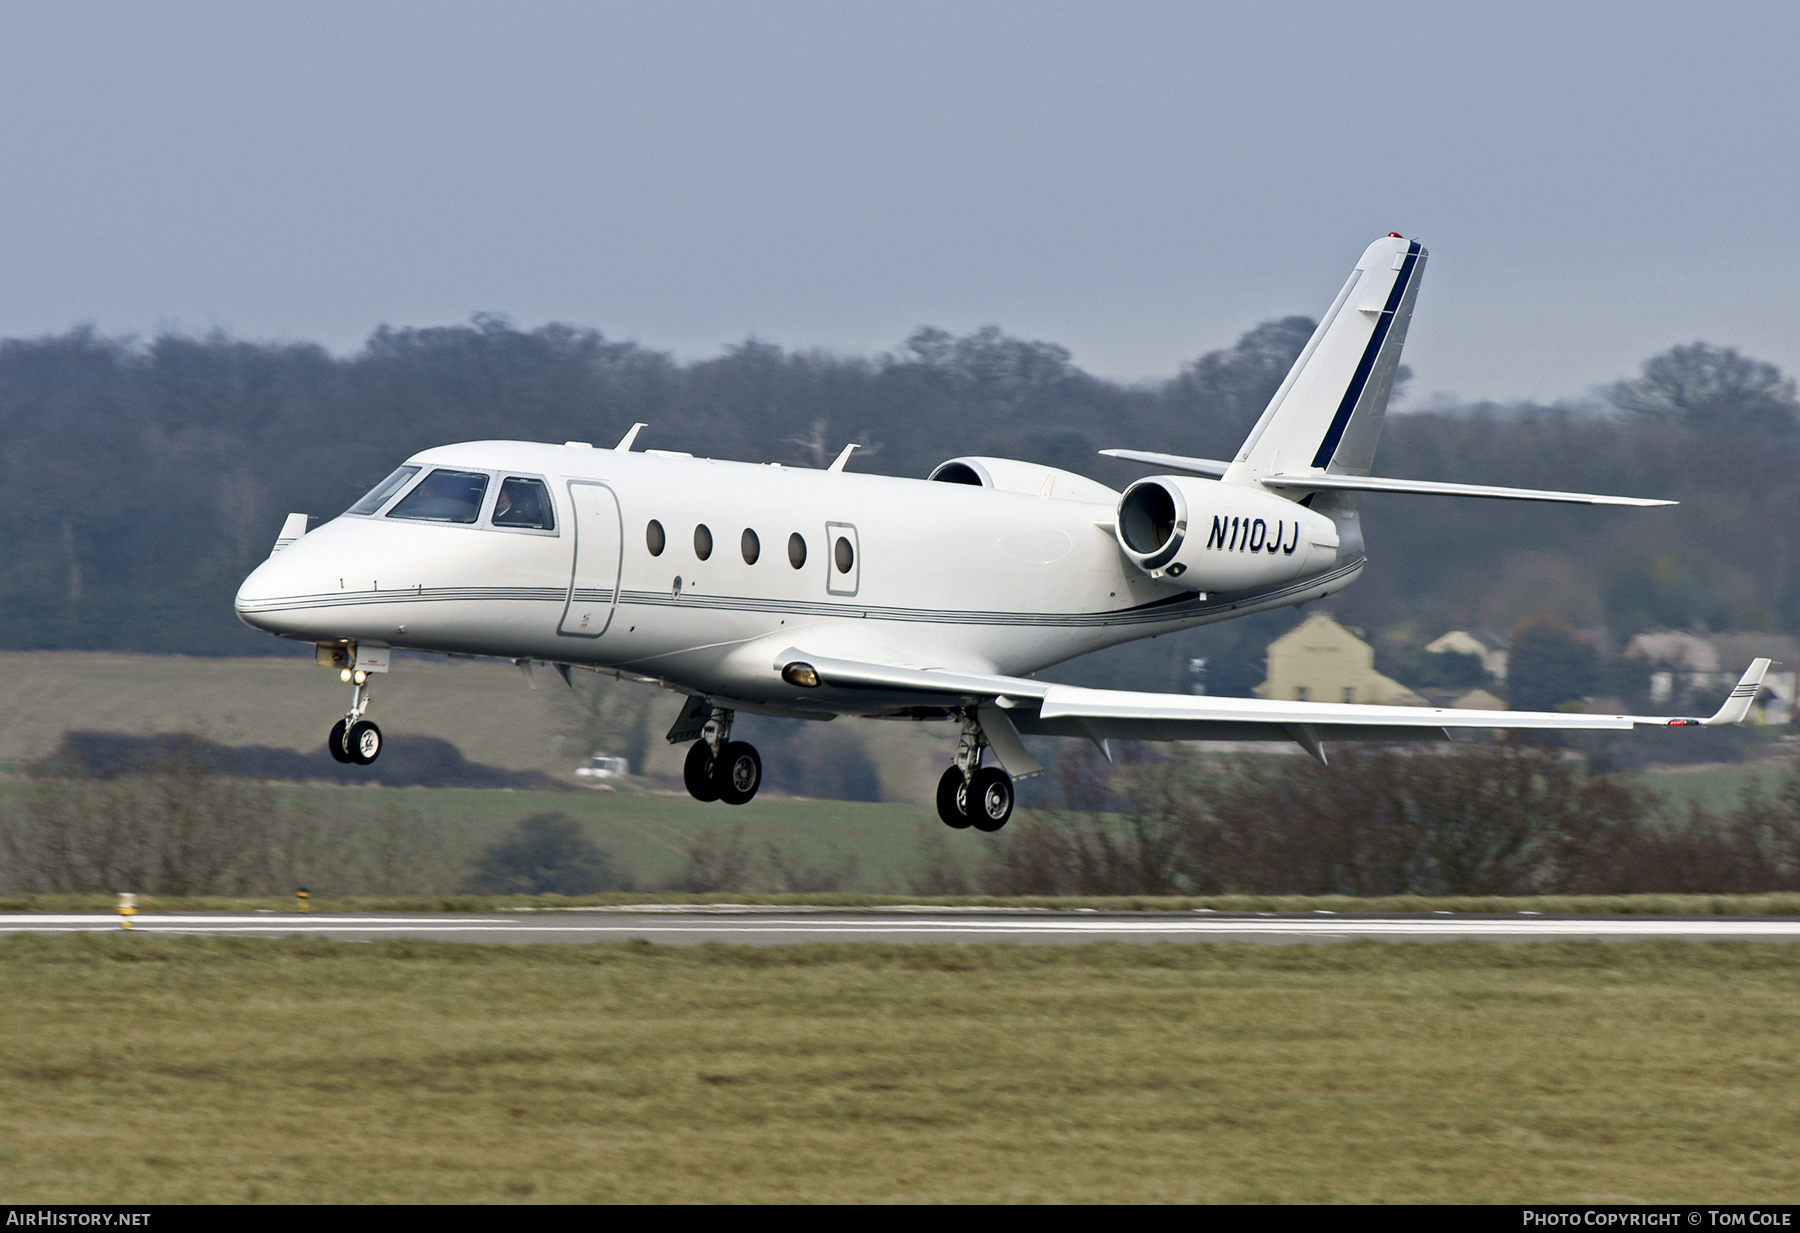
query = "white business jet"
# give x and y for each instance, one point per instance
(810, 594)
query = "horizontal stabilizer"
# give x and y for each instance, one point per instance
(1430, 488)
(1210, 467)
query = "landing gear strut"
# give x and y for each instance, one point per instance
(970, 794)
(719, 768)
(353, 738)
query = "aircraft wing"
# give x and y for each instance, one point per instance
(1039, 707)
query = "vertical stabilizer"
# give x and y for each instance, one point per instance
(1326, 417)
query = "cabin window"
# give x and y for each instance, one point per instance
(444, 496)
(702, 541)
(524, 503)
(844, 555)
(752, 547)
(796, 550)
(654, 538)
(378, 495)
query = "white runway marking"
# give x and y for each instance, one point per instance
(758, 928)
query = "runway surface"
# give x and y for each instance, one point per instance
(687, 926)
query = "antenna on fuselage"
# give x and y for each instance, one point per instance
(842, 458)
(624, 445)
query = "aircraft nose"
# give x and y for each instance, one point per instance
(259, 598)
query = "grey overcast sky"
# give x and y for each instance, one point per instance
(1137, 181)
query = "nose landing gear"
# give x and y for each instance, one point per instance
(353, 738)
(970, 794)
(721, 769)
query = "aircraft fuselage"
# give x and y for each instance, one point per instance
(930, 574)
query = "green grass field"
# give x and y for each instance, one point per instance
(1716, 787)
(144, 1070)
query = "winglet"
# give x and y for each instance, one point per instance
(843, 458)
(1737, 706)
(625, 442)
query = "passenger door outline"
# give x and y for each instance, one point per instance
(599, 559)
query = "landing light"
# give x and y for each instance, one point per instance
(803, 675)
(361, 676)
(344, 676)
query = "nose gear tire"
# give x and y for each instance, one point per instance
(363, 742)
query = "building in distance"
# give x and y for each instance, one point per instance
(1321, 661)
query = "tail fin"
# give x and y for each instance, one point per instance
(1326, 417)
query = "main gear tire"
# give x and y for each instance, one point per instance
(738, 772)
(697, 772)
(953, 800)
(990, 798)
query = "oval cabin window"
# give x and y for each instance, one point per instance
(702, 542)
(654, 538)
(796, 550)
(752, 547)
(844, 554)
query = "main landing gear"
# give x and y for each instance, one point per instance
(719, 768)
(353, 738)
(970, 794)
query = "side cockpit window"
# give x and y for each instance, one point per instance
(444, 496)
(378, 495)
(524, 503)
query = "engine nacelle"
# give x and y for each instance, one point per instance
(1208, 536)
(1030, 478)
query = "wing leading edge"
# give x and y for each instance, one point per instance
(1039, 707)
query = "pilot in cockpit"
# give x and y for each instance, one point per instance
(523, 503)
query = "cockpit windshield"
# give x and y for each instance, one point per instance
(444, 496)
(379, 494)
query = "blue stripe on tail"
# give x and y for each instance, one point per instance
(1353, 395)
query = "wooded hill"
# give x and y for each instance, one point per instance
(148, 477)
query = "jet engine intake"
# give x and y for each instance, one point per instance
(1204, 535)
